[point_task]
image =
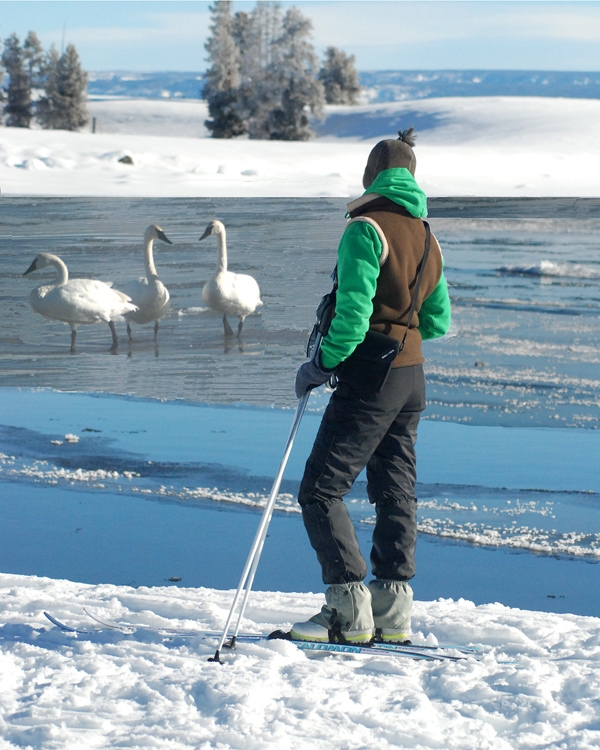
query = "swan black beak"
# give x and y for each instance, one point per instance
(31, 268)
(207, 232)
(162, 236)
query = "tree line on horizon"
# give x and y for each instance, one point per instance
(44, 86)
(265, 78)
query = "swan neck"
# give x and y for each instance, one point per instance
(149, 261)
(221, 252)
(62, 273)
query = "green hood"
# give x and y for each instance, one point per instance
(400, 186)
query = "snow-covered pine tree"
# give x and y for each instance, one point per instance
(263, 74)
(1, 78)
(34, 59)
(18, 108)
(339, 77)
(45, 112)
(63, 105)
(223, 76)
(294, 68)
(243, 34)
(260, 91)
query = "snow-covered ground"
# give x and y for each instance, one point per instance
(494, 146)
(537, 684)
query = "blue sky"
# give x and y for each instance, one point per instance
(149, 35)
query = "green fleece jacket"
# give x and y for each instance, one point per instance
(358, 270)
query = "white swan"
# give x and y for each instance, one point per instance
(76, 302)
(149, 294)
(227, 292)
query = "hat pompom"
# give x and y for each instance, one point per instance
(407, 136)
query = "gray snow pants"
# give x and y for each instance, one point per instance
(378, 431)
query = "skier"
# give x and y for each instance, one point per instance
(366, 423)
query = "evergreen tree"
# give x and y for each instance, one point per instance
(1, 78)
(63, 106)
(46, 113)
(339, 77)
(223, 77)
(294, 68)
(18, 108)
(242, 34)
(34, 59)
(263, 78)
(260, 90)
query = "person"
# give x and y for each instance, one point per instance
(379, 256)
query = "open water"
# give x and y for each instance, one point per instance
(523, 353)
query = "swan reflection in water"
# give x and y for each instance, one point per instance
(130, 349)
(79, 301)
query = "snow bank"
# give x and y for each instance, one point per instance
(480, 146)
(536, 685)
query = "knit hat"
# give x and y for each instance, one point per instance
(391, 153)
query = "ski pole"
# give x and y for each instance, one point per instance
(247, 577)
(274, 492)
(261, 533)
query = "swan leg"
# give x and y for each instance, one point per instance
(129, 331)
(240, 324)
(155, 329)
(227, 327)
(115, 338)
(73, 350)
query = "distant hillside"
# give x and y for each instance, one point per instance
(393, 85)
(160, 85)
(379, 85)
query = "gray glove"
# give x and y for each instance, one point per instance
(310, 375)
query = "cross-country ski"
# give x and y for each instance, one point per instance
(416, 651)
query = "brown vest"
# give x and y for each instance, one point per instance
(405, 237)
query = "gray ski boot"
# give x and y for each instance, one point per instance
(345, 616)
(392, 608)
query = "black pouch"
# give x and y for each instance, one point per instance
(367, 368)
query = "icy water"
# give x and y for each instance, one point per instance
(510, 515)
(525, 293)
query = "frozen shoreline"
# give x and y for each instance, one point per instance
(204, 478)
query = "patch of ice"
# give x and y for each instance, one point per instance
(550, 268)
(191, 311)
(540, 541)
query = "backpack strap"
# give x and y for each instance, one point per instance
(385, 248)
